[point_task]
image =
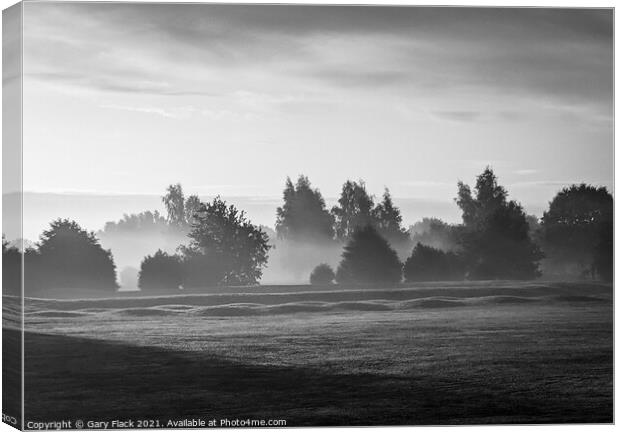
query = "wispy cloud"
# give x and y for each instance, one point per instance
(116, 82)
(174, 113)
(427, 183)
(184, 112)
(426, 94)
(526, 172)
(458, 116)
(549, 55)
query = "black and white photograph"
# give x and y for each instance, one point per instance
(223, 215)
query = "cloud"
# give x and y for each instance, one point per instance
(458, 116)
(175, 113)
(184, 112)
(370, 79)
(117, 82)
(526, 172)
(559, 55)
(427, 183)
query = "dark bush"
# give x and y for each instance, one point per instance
(429, 264)
(203, 270)
(322, 274)
(303, 216)
(69, 257)
(368, 258)
(578, 229)
(160, 271)
(604, 252)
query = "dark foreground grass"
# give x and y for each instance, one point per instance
(12, 374)
(69, 377)
(474, 354)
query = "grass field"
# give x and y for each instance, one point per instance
(471, 353)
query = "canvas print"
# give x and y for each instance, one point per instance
(229, 215)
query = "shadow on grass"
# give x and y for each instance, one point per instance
(71, 378)
(11, 374)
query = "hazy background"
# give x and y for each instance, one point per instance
(127, 98)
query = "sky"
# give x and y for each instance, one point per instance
(232, 99)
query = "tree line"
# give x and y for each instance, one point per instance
(496, 240)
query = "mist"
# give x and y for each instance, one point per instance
(129, 249)
(292, 261)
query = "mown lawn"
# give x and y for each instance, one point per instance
(476, 363)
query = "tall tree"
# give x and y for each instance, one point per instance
(303, 216)
(225, 247)
(354, 209)
(489, 198)
(143, 222)
(388, 221)
(496, 241)
(174, 201)
(192, 208)
(368, 258)
(578, 227)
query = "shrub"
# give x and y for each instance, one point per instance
(429, 264)
(368, 258)
(203, 270)
(322, 274)
(160, 271)
(69, 257)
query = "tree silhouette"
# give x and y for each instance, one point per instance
(303, 216)
(204, 269)
(225, 248)
(11, 269)
(147, 222)
(35, 278)
(388, 220)
(354, 209)
(436, 233)
(322, 274)
(579, 227)
(70, 257)
(160, 272)
(192, 207)
(429, 264)
(489, 198)
(368, 258)
(604, 252)
(174, 201)
(495, 239)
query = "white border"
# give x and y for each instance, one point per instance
(547, 3)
